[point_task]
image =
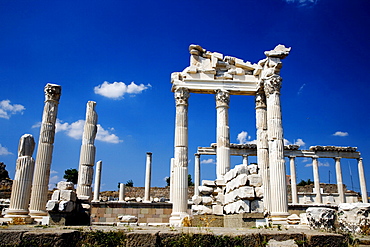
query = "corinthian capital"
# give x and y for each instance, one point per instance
(272, 85)
(222, 97)
(52, 92)
(181, 96)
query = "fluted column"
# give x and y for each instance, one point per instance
(262, 147)
(171, 178)
(196, 174)
(21, 189)
(44, 151)
(316, 178)
(87, 153)
(338, 173)
(293, 180)
(361, 175)
(97, 180)
(223, 133)
(245, 160)
(148, 174)
(271, 84)
(180, 178)
(121, 196)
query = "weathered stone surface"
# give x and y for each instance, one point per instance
(201, 209)
(253, 169)
(217, 209)
(52, 205)
(56, 195)
(237, 182)
(255, 180)
(66, 206)
(286, 243)
(257, 206)
(293, 219)
(209, 183)
(68, 195)
(207, 200)
(259, 191)
(237, 207)
(197, 199)
(245, 192)
(241, 169)
(204, 190)
(63, 185)
(353, 217)
(127, 218)
(321, 218)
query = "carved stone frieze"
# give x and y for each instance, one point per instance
(181, 96)
(222, 98)
(272, 85)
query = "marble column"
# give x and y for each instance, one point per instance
(171, 178)
(196, 174)
(180, 177)
(87, 154)
(245, 160)
(121, 196)
(316, 178)
(293, 180)
(21, 189)
(223, 133)
(148, 174)
(39, 193)
(361, 175)
(97, 180)
(262, 147)
(338, 174)
(271, 85)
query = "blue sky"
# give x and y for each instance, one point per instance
(93, 47)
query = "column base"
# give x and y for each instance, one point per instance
(20, 218)
(176, 219)
(279, 218)
(38, 214)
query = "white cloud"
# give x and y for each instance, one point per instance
(243, 138)
(7, 109)
(298, 142)
(4, 151)
(301, 89)
(320, 164)
(340, 133)
(75, 130)
(286, 142)
(208, 161)
(53, 172)
(117, 90)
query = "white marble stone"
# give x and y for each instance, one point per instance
(97, 180)
(148, 175)
(63, 185)
(52, 205)
(245, 192)
(207, 200)
(68, 195)
(217, 209)
(201, 209)
(56, 195)
(257, 206)
(352, 217)
(196, 199)
(259, 191)
(253, 169)
(255, 180)
(209, 183)
(321, 218)
(127, 218)
(66, 206)
(87, 154)
(223, 133)
(205, 190)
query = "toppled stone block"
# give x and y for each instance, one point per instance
(255, 180)
(196, 199)
(217, 209)
(127, 218)
(207, 200)
(259, 191)
(204, 190)
(63, 185)
(241, 169)
(201, 209)
(231, 174)
(139, 199)
(321, 218)
(68, 195)
(237, 182)
(209, 183)
(293, 219)
(52, 205)
(353, 217)
(66, 206)
(56, 195)
(245, 192)
(253, 169)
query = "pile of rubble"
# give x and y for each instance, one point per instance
(210, 198)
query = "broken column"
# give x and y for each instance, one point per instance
(272, 83)
(223, 133)
(148, 174)
(87, 154)
(21, 189)
(121, 196)
(180, 177)
(44, 151)
(262, 146)
(97, 180)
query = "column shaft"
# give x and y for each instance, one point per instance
(148, 174)
(293, 180)
(196, 174)
(338, 173)
(316, 178)
(171, 178)
(121, 196)
(180, 185)
(44, 152)
(361, 175)
(223, 133)
(97, 180)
